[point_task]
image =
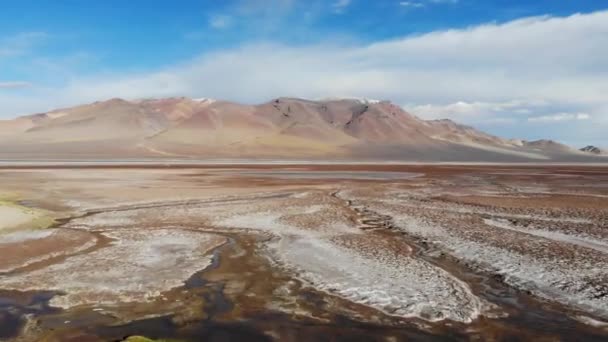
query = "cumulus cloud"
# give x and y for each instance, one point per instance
(548, 59)
(496, 71)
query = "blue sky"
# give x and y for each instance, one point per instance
(526, 69)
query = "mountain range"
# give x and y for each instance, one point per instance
(284, 128)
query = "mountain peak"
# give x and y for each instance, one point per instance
(114, 101)
(361, 100)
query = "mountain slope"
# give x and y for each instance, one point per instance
(284, 128)
(591, 149)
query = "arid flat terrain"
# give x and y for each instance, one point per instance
(333, 252)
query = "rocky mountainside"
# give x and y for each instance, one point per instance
(591, 149)
(284, 128)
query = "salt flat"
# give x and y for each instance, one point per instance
(13, 216)
(476, 251)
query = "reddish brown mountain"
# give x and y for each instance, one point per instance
(284, 128)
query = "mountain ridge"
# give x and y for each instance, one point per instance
(282, 128)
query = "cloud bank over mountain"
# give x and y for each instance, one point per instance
(503, 76)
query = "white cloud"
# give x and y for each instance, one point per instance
(481, 113)
(560, 117)
(220, 21)
(463, 110)
(249, 7)
(340, 5)
(14, 84)
(411, 4)
(424, 3)
(20, 43)
(493, 72)
(256, 18)
(489, 113)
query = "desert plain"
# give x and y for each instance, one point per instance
(303, 252)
